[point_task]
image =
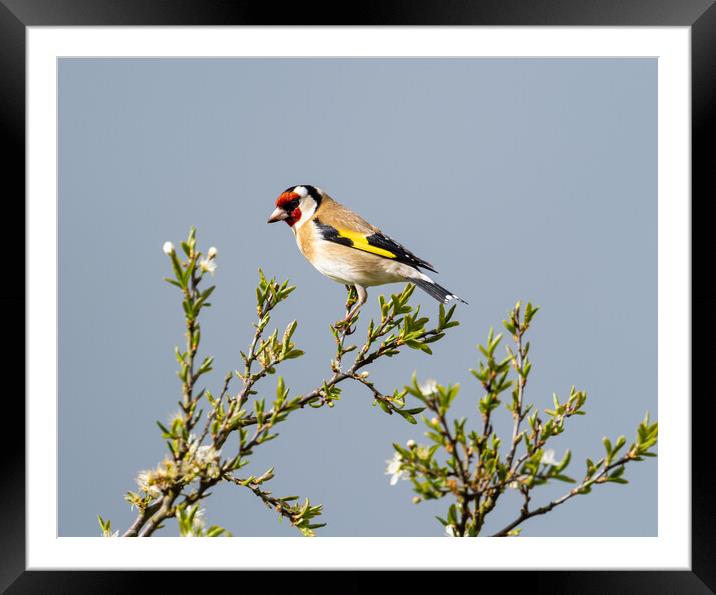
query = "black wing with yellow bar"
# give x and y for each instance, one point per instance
(375, 243)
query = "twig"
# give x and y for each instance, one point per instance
(528, 514)
(521, 382)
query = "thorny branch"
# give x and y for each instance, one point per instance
(474, 471)
(526, 513)
(182, 480)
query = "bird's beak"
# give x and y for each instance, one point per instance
(278, 215)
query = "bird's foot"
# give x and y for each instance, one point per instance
(347, 325)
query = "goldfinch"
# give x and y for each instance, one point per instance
(346, 248)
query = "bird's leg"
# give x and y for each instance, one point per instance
(362, 295)
(351, 299)
(362, 298)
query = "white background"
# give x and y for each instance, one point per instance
(669, 550)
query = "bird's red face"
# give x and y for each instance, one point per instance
(296, 205)
(287, 208)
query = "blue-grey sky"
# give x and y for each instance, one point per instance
(530, 179)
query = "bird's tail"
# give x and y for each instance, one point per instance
(433, 289)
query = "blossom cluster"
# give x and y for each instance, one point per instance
(199, 461)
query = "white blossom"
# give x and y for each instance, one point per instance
(451, 531)
(206, 454)
(207, 265)
(410, 444)
(168, 248)
(200, 460)
(145, 481)
(212, 253)
(548, 457)
(429, 387)
(394, 469)
(197, 524)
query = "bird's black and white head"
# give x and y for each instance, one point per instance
(296, 205)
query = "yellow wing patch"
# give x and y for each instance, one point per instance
(361, 243)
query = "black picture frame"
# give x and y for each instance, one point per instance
(699, 15)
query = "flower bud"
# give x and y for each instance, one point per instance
(168, 248)
(410, 444)
(212, 253)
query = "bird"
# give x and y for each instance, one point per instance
(344, 247)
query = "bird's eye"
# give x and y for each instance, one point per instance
(291, 205)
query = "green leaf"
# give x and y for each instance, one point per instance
(166, 433)
(607, 445)
(405, 415)
(172, 281)
(565, 461)
(562, 477)
(281, 391)
(452, 515)
(384, 406)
